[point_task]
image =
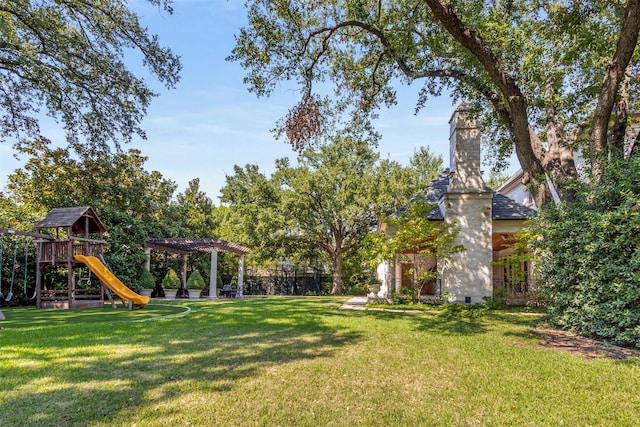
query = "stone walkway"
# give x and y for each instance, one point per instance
(354, 303)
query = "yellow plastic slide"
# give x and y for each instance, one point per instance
(111, 281)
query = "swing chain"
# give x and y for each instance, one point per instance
(9, 295)
(1, 251)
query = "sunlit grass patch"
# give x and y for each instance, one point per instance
(303, 362)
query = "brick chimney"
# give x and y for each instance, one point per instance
(464, 142)
(467, 276)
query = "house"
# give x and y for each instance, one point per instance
(516, 190)
(486, 220)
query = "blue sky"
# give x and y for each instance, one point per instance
(210, 122)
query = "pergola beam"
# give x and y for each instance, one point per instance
(192, 245)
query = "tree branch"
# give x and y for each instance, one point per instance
(525, 146)
(613, 77)
(489, 94)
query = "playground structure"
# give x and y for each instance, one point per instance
(66, 239)
(12, 279)
(8, 296)
(77, 231)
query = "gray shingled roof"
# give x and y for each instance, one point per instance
(502, 207)
(71, 217)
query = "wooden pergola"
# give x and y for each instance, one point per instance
(187, 246)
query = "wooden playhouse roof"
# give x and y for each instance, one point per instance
(190, 245)
(74, 217)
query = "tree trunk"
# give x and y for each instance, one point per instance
(613, 77)
(337, 272)
(528, 149)
(619, 128)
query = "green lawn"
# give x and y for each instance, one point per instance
(298, 362)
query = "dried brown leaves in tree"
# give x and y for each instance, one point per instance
(303, 122)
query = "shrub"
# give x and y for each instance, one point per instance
(406, 295)
(361, 283)
(195, 281)
(171, 280)
(499, 298)
(358, 289)
(464, 311)
(590, 266)
(146, 280)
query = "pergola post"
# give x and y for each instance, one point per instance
(239, 291)
(214, 274)
(147, 263)
(184, 270)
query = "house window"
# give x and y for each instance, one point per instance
(516, 277)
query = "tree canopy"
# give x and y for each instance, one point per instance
(66, 59)
(544, 75)
(326, 204)
(134, 204)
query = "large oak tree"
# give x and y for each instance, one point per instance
(327, 203)
(544, 75)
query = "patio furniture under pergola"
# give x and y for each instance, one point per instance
(186, 246)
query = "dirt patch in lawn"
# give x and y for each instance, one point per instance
(583, 346)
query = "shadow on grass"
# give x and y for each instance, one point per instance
(459, 321)
(30, 317)
(524, 337)
(81, 371)
(520, 319)
(429, 322)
